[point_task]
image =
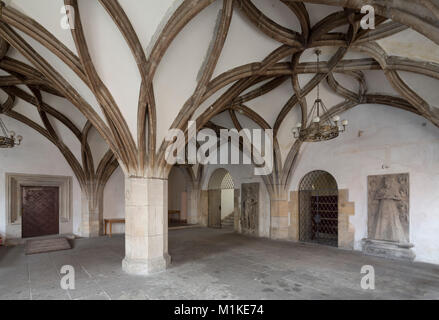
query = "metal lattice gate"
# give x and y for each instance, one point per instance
(318, 206)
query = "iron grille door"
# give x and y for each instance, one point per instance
(318, 204)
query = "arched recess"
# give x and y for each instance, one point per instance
(221, 203)
(177, 196)
(318, 209)
(181, 191)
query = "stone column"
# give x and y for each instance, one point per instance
(90, 215)
(294, 216)
(203, 208)
(237, 202)
(279, 219)
(193, 200)
(146, 229)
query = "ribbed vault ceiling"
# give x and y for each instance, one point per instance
(405, 42)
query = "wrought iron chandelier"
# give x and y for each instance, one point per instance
(8, 138)
(320, 129)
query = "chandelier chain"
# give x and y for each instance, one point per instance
(319, 129)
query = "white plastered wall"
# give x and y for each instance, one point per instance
(114, 199)
(392, 141)
(36, 156)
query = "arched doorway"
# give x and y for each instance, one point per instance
(318, 207)
(221, 200)
(178, 190)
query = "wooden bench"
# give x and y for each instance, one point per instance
(111, 222)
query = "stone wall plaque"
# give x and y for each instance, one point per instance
(388, 208)
(250, 208)
(389, 217)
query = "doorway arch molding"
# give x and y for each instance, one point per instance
(346, 209)
(318, 205)
(219, 182)
(14, 182)
(221, 179)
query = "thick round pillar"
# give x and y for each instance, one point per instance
(146, 229)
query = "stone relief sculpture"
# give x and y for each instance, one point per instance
(250, 208)
(389, 208)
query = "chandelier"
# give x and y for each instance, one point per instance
(320, 129)
(8, 138)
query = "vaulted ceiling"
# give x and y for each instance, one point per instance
(401, 54)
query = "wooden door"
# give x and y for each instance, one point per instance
(40, 207)
(214, 209)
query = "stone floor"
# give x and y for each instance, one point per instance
(214, 264)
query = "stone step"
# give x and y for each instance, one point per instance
(228, 221)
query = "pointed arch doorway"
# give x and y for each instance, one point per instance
(221, 204)
(318, 209)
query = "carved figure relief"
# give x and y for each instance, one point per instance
(250, 208)
(389, 208)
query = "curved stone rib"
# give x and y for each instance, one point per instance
(14, 66)
(181, 17)
(235, 120)
(374, 50)
(254, 71)
(383, 31)
(342, 91)
(36, 31)
(290, 161)
(269, 27)
(251, 114)
(408, 12)
(146, 105)
(309, 87)
(301, 98)
(8, 105)
(87, 156)
(434, 8)
(360, 77)
(68, 155)
(302, 14)
(57, 80)
(14, 81)
(344, 65)
(425, 68)
(260, 91)
(21, 94)
(324, 26)
(254, 116)
(363, 98)
(203, 84)
(123, 138)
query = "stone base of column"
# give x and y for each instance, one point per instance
(146, 267)
(389, 249)
(279, 219)
(146, 226)
(90, 230)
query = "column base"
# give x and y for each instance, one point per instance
(388, 249)
(146, 267)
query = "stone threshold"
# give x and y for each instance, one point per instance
(22, 241)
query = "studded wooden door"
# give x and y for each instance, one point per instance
(40, 206)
